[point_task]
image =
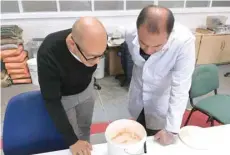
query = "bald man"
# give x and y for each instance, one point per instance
(164, 60)
(66, 62)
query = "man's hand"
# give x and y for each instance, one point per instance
(164, 137)
(81, 148)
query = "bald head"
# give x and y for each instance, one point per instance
(88, 27)
(89, 39)
(156, 19)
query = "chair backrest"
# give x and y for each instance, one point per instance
(27, 127)
(204, 80)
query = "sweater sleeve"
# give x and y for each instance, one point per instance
(49, 80)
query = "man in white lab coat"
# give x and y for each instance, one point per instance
(164, 59)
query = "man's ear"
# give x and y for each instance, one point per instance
(71, 42)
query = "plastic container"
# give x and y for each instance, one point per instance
(125, 149)
(32, 65)
(100, 71)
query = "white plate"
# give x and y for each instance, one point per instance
(195, 137)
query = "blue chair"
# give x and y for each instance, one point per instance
(27, 128)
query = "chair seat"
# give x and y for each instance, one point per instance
(217, 106)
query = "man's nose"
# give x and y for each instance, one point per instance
(149, 50)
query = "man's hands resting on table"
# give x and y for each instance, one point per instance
(164, 137)
(81, 148)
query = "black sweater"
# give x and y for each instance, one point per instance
(60, 74)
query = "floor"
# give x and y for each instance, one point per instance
(111, 104)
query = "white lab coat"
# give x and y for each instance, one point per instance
(160, 85)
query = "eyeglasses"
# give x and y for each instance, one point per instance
(87, 59)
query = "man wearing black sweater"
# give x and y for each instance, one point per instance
(66, 62)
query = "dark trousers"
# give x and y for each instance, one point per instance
(141, 120)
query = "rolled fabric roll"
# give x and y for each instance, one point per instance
(18, 71)
(16, 65)
(11, 52)
(20, 58)
(19, 76)
(9, 46)
(22, 81)
(11, 41)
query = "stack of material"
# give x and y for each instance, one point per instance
(13, 54)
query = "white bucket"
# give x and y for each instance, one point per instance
(125, 149)
(100, 71)
(32, 65)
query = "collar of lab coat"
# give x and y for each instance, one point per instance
(164, 48)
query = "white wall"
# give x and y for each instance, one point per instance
(41, 26)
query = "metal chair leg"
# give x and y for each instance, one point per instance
(96, 85)
(189, 116)
(209, 119)
(212, 122)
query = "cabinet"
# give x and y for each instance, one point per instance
(113, 61)
(213, 49)
(210, 49)
(197, 45)
(225, 52)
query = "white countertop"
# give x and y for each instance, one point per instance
(153, 148)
